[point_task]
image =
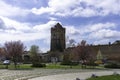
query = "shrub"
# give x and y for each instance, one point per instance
(38, 65)
(26, 62)
(112, 65)
(65, 63)
(69, 63)
(91, 64)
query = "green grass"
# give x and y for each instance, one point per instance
(110, 77)
(19, 67)
(49, 66)
(58, 66)
(2, 66)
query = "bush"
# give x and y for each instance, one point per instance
(91, 64)
(26, 62)
(112, 65)
(38, 65)
(69, 63)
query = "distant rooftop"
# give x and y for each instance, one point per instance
(117, 42)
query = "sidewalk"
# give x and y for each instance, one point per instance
(73, 76)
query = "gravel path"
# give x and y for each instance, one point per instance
(73, 76)
(42, 73)
(23, 74)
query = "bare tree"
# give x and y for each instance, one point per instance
(71, 43)
(14, 51)
(82, 52)
(2, 54)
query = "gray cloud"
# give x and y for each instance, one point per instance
(76, 8)
(4, 27)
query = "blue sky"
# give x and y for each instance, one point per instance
(96, 21)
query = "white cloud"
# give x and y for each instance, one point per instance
(53, 18)
(83, 12)
(97, 33)
(47, 26)
(99, 26)
(42, 10)
(90, 30)
(107, 6)
(57, 7)
(10, 10)
(15, 30)
(83, 8)
(12, 24)
(62, 5)
(101, 33)
(71, 30)
(19, 30)
(101, 41)
(44, 30)
(104, 34)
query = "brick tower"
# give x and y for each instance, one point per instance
(57, 38)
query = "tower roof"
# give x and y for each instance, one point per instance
(58, 25)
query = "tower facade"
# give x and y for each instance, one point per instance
(57, 38)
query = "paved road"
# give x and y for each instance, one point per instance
(25, 74)
(48, 74)
(73, 76)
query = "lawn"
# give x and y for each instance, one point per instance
(20, 66)
(48, 66)
(58, 66)
(110, 77)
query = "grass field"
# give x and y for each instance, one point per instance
(111, 77)
(58, 66)
(49, 66)
(11, 66)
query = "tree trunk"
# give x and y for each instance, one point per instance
(6, 66)
(15, 65)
